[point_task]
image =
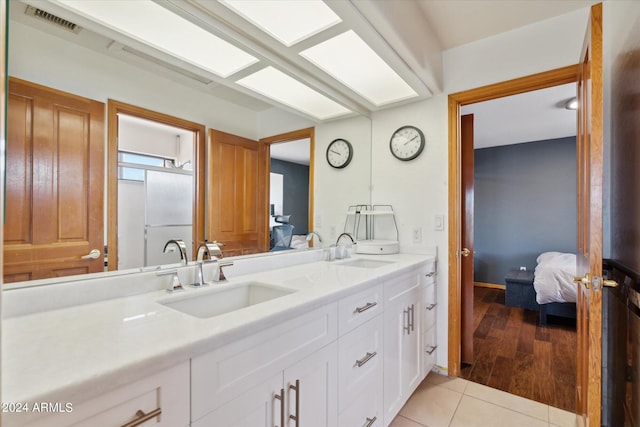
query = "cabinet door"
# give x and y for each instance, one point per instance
(402, 372)
(258, 407)
(311, 389)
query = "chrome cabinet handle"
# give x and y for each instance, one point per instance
(365, 307)
(430, 306)
(142, 417)
(370, 421)
(296, 417)
(93, 254)
(411, 314)
(407, 324)
(280, 397)
(365, 359)
(433, 273)
(432, 348)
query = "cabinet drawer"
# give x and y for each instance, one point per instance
(223, 374)
(401, 284)
(356, 309)
(429, 306)
(428, 277)
(365, 410)
(429, 348)
(360, 354)
(167, 391)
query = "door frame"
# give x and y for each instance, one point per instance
(287, 137)
(113, 109)
(529, 83)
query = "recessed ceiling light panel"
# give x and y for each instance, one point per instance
(287, 21)
(350, 60)
(279, 86)
(152, 24)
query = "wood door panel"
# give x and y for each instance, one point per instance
(55, 152)
(19, 170)
(235, 201)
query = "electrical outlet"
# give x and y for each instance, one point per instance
(417, 234)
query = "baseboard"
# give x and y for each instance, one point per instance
(489, 285)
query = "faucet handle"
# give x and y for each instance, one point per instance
(219, 274)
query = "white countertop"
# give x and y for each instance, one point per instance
(77, 353)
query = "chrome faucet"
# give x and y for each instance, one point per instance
(313, 233)
(214, 253)
(210, 250)
(207, 252)
(341, 250)
(168, 247)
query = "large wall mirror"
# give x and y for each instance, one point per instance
(84, 64)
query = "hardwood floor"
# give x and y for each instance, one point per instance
(514, 354)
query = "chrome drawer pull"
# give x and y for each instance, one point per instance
(296, 417)
(142, 417)
(433, 273)
(370, 421)
(407, 322)
(430, 306)
(280, 397)
(432, 349)
(365, 307)
(365, 359)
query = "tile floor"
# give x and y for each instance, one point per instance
(441, 401)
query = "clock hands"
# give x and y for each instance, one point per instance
(409, 140)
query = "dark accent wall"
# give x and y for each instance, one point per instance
(295, 193)
(525, 204)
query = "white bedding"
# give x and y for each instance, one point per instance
(553, 280)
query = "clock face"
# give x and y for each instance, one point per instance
(407, 143)
(339, 153)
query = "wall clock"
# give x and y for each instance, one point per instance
(339, 153)
(407, 143)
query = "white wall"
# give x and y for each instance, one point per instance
(336, 189)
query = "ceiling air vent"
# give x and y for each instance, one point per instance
(53, 19)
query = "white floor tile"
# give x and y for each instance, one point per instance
(431, 405)
(508, 401)
(456, 384)
(474, 412)
(561, 418)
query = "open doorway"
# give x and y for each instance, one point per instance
(290, 178)
(148, 152)
(524, 224)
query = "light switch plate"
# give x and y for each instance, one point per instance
(438, 222)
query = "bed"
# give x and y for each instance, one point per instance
(548, 289)
(554, 285)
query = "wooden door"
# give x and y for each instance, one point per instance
(589, 297)
(466, 260)
(237, 213)
(55, 183)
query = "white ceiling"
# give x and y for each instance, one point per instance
(409, 35)
(527, 117)
(292, 151)
(458, 22)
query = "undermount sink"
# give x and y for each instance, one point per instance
(366, 263)
(216, 302)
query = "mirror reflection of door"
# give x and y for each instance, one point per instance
(155, 191)
(289, 194)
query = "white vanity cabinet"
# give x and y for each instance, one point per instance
(360, 358)
(402, 340)
(288, 370)
(161, 399)
(430, 305)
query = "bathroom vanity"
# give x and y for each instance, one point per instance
(287, 340)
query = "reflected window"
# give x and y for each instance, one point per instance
(127, 171)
